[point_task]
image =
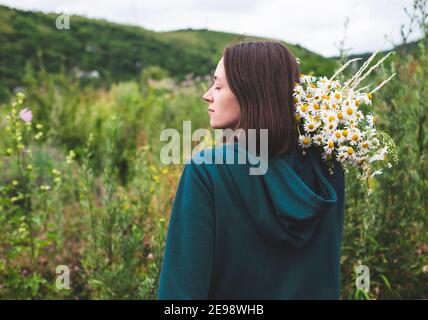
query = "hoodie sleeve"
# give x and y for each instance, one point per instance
(188, 256)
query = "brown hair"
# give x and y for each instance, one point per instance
(262, 74)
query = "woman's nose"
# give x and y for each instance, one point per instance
(207, 97)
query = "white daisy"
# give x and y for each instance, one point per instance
(342, 156)
(354, 136)
(371, 120)
(364, 146)
(349, 111)
(318, 139)
(302, 109)
(329, 146)
(367, 98)
(329, 117)
(326, 156)
(338, 136)
(305, 141)
(311, 125)
(336, 96)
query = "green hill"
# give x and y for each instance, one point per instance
(111, 52)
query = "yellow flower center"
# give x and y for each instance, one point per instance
(338, 134)
(370, 96)
(316, 106)
(340, 115)
(355, 137)
(311, 126)
(330, 144)
(345, 132)
(350, 150)
(304, 108)
(349, 111)
(365, 145)
(309, 95)
(306, 141)
(337, 95)
(297, 117)
(331, 118)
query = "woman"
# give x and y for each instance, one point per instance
(233, 235)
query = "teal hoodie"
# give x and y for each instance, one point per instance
(233, 235)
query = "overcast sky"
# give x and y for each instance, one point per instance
(314, 24)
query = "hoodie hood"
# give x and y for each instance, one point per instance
(287, 202)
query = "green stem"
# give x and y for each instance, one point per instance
(27, 210)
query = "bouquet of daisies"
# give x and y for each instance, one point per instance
(330, 116)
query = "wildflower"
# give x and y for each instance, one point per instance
(20, 97)
(302, 109)
(305, 141)
(311, 126)
(44, 187)
(71, 155)
(318, 139)
(329, 147)
(334, 120)
(376, 172)
(326, 156)
(164, 171)
(338, 136)
(425, 269)
(365, 146)
(342, 155)
(26, 115)
(371, 120)
(354, 137)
